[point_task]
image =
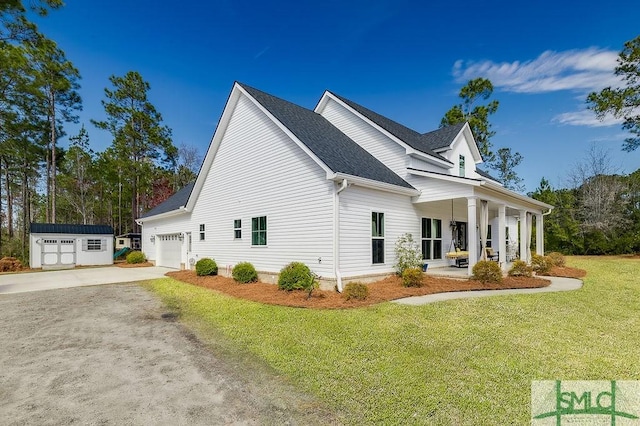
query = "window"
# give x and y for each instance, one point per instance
(461, 162)
(202, 232)
(431, 238)
(121, 242)
(237, 229)
(259, 231)
(377, 237)
(94, 245)
(489, 236)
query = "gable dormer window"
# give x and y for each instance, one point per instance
(461, 162)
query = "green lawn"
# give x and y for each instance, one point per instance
(458, 362)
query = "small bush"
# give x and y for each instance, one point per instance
(412, 277)
(10, 264)
(136, 257)
(206, 266)
(355, 290)
(541, 264)
(297, 276)
(487, 271)
(520, 269)
(557, 259)
(244, 272)
(408, 254)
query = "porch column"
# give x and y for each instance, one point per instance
(539, 235)
(523, 236)
(472, 234)
(502, 241)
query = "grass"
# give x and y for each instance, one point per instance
(468, 361)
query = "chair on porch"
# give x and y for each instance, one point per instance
(492, 255)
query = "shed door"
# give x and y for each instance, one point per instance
(169, 251)
(58, 252)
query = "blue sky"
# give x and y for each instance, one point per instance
(403, 59)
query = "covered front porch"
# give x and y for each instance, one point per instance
(480, 226)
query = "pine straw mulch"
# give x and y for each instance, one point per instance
(133, 265)
(384, 290)
(567, 272)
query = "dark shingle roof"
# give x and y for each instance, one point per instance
(486, 175)
(442, 137)
(67, 228)
(410, 137)
(177, 200)
(330, 145)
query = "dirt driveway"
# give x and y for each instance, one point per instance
(105, 355)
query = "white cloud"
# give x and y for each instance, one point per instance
(583, 70)
(586, 118)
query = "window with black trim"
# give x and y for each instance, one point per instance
(237, 229)
(259, 231)
(202, 232)
(94, 245)
(431, 238)
(489, 236)
(377, 237)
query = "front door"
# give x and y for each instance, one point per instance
(460, 235)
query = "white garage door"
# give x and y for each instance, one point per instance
(58, 252)
(169, 250)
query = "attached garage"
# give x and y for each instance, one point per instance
(59, 246)
(169, 250)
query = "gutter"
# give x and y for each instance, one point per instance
(336, 233)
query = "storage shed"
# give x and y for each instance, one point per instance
(57, 246)
(131, 240)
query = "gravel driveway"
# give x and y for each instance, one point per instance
(105, 355)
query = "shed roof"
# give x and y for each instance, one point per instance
(68, 228)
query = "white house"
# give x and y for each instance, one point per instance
(335, 188)
(53, 246)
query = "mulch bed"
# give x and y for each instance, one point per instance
(384, 290)
(567, 272)
(133, 265)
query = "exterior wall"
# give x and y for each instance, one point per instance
(83, 257)
(356, 206)
(380, 146)
(173, 225)
(259, 171)
(437, 189)
(461, 147)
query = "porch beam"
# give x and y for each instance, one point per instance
(502, 241)
(472, 233)
(539, 235)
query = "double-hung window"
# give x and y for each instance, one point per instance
(259, 231)
(202, 232)
(461, 163)
(377, 237)
(431, 238)
(237, 229)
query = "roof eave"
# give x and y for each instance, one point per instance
(502, 190)
(180, 210)
(373, 184)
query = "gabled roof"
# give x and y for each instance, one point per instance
(332, 147)
(412, 138)
(67, 228)
(441, 138)
(177, 200)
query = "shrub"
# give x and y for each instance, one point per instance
(412, 277)
(520, 269)
(10, 264)
(136, 257)
(355, 290)
(541, 264)
(487, 271)
(206, 266)
(408, 254)
(557, 259)
(244, 272)
(297, 276)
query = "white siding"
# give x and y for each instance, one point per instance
(461, 147)
(380, 146)
(437, 189)
(356, 206)
(259, 171)
(82, 257)
(172, 225)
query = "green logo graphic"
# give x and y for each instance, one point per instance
(571, 401)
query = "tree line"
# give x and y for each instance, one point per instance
(43, 182)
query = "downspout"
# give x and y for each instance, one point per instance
(336, 233)
(548, 212)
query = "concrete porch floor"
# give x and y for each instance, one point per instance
(455, 272)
